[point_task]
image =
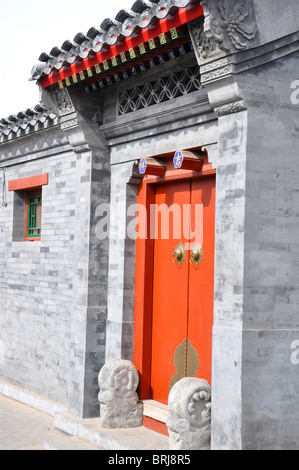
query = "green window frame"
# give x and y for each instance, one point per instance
(34, 212)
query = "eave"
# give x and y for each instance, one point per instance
(96, 62)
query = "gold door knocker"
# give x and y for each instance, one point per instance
(196, 254)
(179, 255)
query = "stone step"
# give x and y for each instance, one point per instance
(59, 440)
(91, 431)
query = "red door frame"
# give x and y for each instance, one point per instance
(144, 272)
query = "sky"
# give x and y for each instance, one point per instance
(30, 27)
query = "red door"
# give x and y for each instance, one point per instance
(182, 313)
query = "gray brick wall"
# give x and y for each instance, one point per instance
(254, 391)
(36, 289)
(271, 283)
(52, 292)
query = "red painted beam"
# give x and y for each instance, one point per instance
(183, 16)
(28, 183)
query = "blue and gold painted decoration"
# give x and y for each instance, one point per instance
(142, 166)
(142, 49)
(123, 57)
(171, 54)
(181, 45)
(133, 70)
(173, 34)
(151, 62)
(152, 44)
(132, 53)
(114, 61)
(178, 159)
(162, 39)
(181, 49)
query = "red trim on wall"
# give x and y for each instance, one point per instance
(28, 183)
(155, 425)
(183, 16)
(144, 296)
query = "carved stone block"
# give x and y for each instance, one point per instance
(189, 420)
(229, 26)
(120, 406)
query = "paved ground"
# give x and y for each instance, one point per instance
(24, 428)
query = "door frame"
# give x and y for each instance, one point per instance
(144, 265)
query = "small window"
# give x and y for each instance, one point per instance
(33, 216)
(27, 207)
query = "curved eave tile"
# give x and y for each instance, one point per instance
(142, 15)
(25, 122)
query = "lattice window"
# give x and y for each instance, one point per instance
(163, 89)
(34, 215)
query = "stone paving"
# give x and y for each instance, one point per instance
(24, 428)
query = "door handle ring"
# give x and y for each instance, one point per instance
(196, 254)
(179, 254)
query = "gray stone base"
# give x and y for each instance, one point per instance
(31, 399)
(90, 430)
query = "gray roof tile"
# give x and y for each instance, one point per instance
(28, 119)
(126, 23)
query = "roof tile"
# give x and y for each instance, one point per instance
(142, 14)
(24, 119)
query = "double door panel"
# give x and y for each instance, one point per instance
(182, 314)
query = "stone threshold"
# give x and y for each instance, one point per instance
(155, 410)
(154, 416)
(90, 430)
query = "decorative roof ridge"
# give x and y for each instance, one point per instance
(143, 13)
(25, 121)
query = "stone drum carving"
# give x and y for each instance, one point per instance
(189, 420)
(120, 406)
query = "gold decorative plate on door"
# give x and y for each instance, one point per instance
(186, 362)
